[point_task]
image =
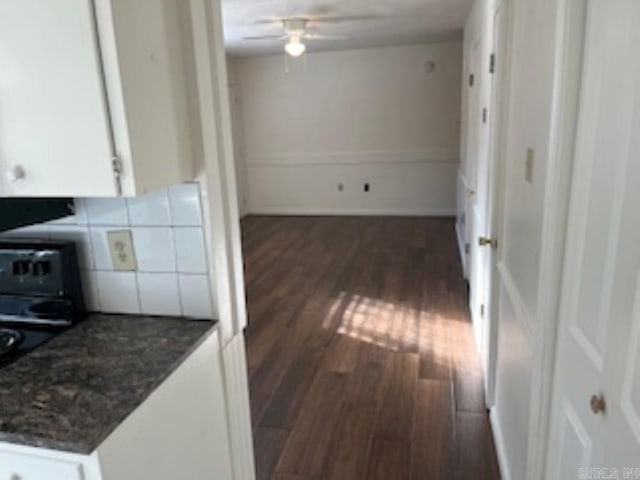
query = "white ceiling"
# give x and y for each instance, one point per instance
(385, 22)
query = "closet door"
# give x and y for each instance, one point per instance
(596, 406)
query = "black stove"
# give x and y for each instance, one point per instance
(40, 294)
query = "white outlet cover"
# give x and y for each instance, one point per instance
(123, 255)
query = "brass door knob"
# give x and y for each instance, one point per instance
(598, 404)
(484, 241)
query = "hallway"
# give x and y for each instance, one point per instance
(361, 355)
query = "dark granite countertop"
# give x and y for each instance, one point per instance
(72, 392)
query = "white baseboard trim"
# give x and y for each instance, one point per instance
(238, 409)
(352, 212)
(498, 441)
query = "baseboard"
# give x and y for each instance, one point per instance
(352, 212)
(498, 441)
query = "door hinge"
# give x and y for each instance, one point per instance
(117, 167)
(467, 248)
(485, 114)
(492, 63)
(482, 311)
(471, 80)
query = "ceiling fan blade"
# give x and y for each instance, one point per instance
(322, 36)
(343, 18)
(319, 18)
(267, 37)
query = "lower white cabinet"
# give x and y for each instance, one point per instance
(180, 431)
(17, 466)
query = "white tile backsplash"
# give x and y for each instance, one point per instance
(100, 247)
(90, 290)
(190, 250)
(196, 296)
(166, 226)
(41, 231)
(159, 294)
(81, 217)
(155, 249)
(118, 292)
(185, 205)
(107, 211)
(151, 210)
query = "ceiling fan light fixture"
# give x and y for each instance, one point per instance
(295, 47)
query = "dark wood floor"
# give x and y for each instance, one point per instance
(360, 350)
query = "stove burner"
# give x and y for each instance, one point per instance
(9, 339)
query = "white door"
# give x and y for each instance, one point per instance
(493, 202)
(478, 278)
(599, 334)
(473, 160)
(471, 150)
(54, 127)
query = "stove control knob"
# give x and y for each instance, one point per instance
(15, 174)
(41, 268)
(21, 267)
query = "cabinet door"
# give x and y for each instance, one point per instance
(55, 135)
(15, 466)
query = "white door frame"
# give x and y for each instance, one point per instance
(223, 226)
(567, 81)
(497, 149)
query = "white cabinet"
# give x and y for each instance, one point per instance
(15, 466)
(179, 432)
(93, 97)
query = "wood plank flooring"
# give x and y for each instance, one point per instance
(361, 357)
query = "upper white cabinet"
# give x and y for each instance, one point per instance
(93, 97)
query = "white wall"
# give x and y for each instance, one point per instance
(353, 117)
(531, 88)
(235, 99)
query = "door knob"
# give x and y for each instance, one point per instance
(15, 174)
(598, 404)
(485, 241)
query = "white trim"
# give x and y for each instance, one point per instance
(519, 307)
(223, 228)
(567, 80)
(463, 179)
(498, 440)
(219, 183)
(321, 212)
(461, 246)
(237, 392)
(497, 163)
(446, 157)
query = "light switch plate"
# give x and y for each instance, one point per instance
(528, 174)
(123, 255)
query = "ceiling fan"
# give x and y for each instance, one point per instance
(295, 32)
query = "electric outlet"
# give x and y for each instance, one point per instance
(123, 255)
(531, 156)
(367, 187)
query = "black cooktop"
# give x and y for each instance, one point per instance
(40, 294)
(16, 341)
